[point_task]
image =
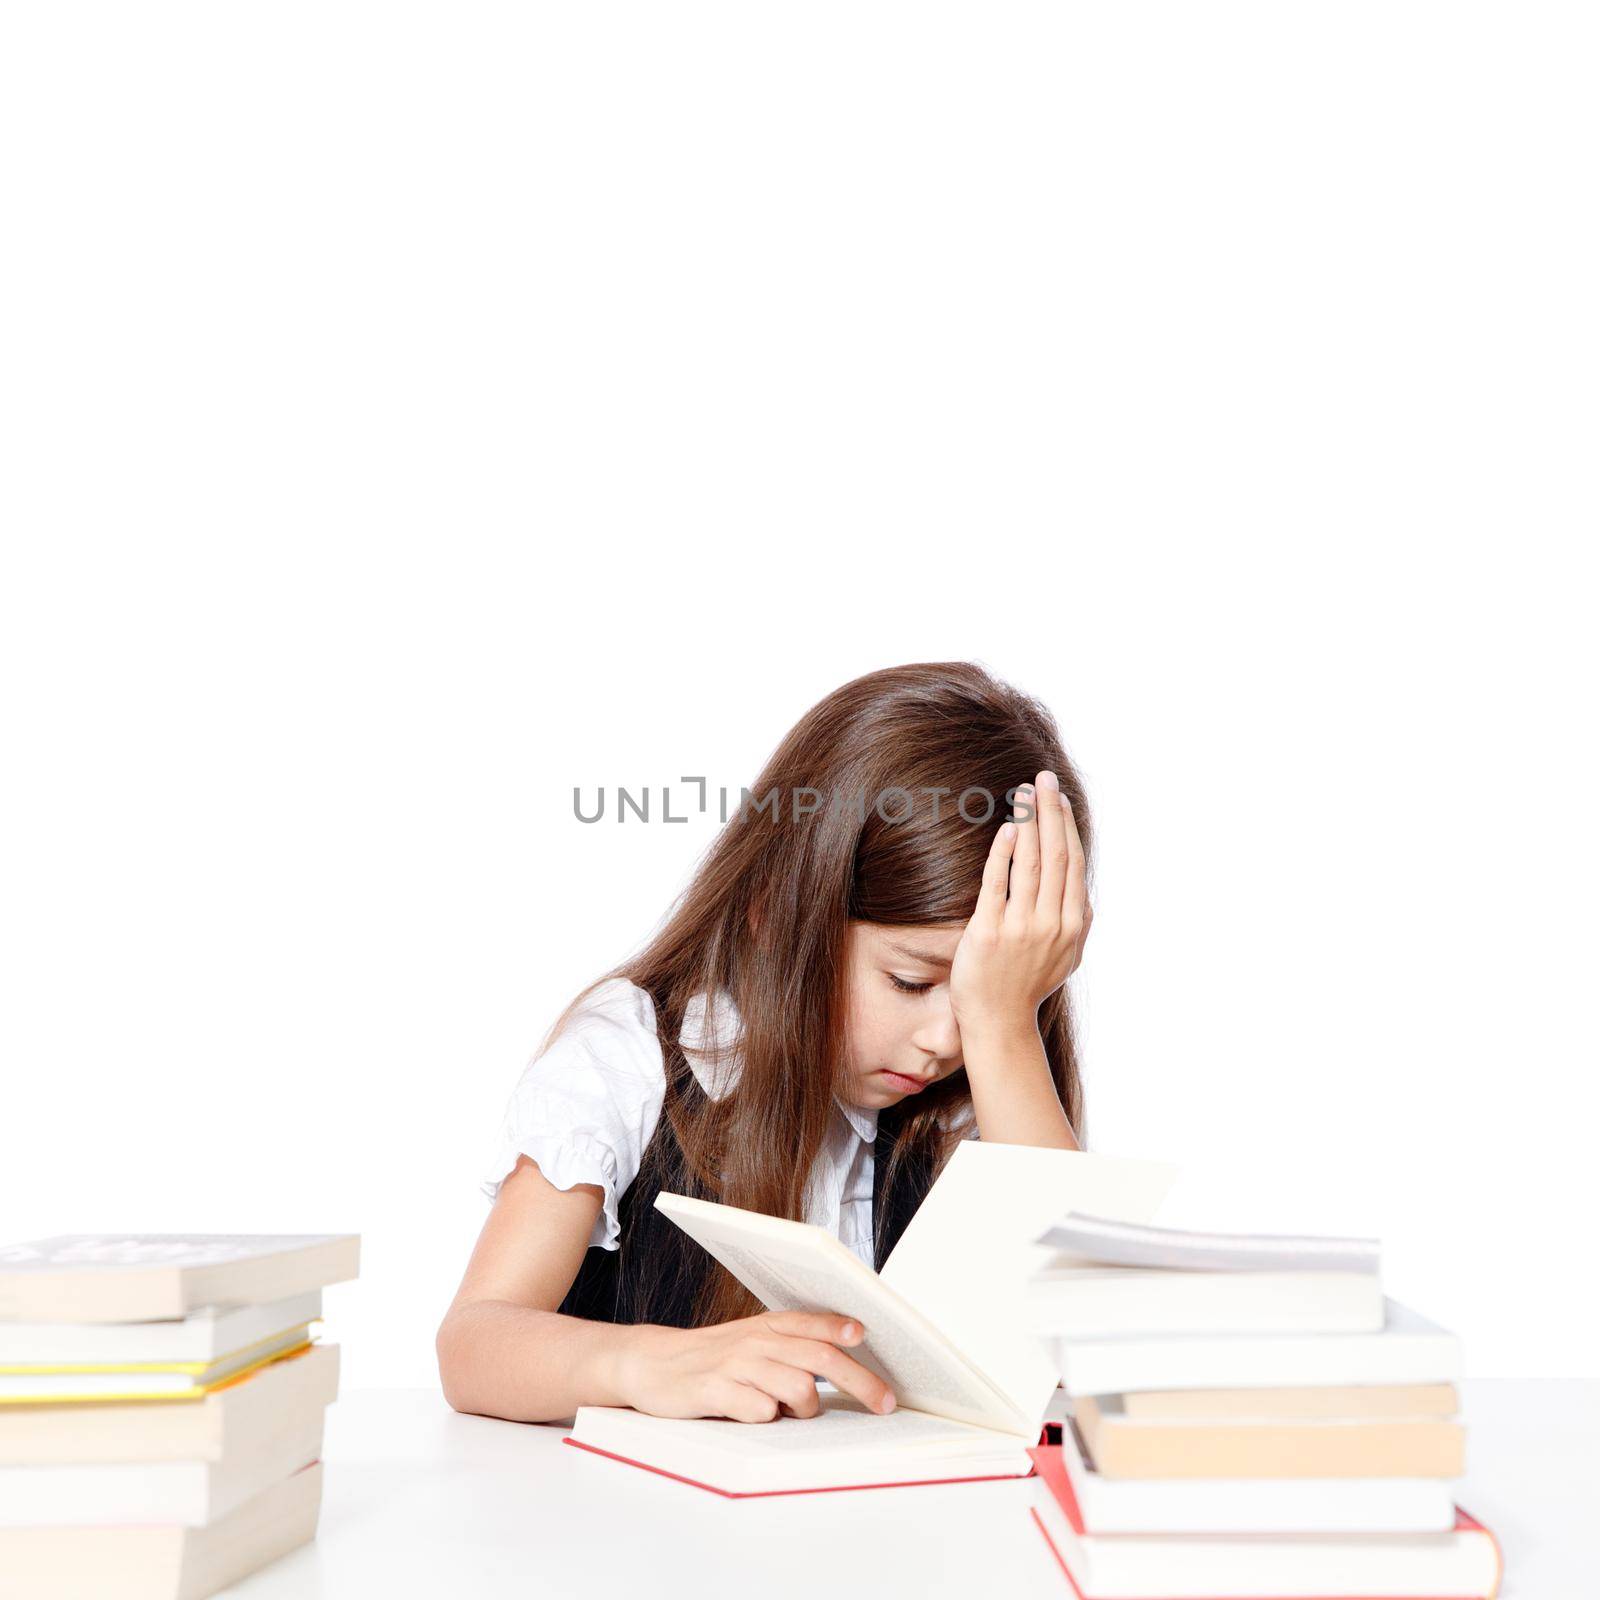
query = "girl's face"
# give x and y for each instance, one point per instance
(900, 1030)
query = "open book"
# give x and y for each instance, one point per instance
(943, 1326)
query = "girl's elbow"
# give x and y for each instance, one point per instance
(452, 1349)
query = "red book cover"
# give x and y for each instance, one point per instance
(832, 1488)
(1053, 1474)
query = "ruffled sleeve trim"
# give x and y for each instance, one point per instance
(565, 1160)
(586, 1108)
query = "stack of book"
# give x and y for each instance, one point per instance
(161, 1409)
(1249, 1415)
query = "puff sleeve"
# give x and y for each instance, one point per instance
(585, 1109)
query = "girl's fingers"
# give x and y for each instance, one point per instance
(788, 1385)
(1075, 895)
(813, 1325)
(745, 1402)
(1052, 843)
(1083, 938)
(991, 906)
(1025, 858)
(818, 1357)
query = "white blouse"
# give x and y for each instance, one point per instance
(586, 1108)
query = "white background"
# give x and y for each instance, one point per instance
(412, 412)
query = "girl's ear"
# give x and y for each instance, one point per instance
(755, 921)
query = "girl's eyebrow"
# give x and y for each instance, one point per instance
(915, 954)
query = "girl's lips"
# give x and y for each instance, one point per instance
(901, 1081)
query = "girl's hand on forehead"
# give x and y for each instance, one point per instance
(1026, 936)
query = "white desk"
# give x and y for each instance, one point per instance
(420, 1501)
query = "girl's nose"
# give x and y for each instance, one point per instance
(938, 1034)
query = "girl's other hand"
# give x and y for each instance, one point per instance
(1026, 936)
(751, 1369)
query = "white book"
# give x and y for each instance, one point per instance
(1255, 1505)
(926, 1310)
(1109, 1241)
(188, 1494)
(1406, 1349)
(844, 1446)
(121, 1277)
(242, 1419)
(967, 1254)
(197, 1340)
(972, 1385)
(163, 1563)
(23, 1386)
(1309, 1566)
(1072, 1301)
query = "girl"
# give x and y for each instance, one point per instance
(869, 966)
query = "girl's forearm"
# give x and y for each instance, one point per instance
(1013, 1094)
(498, 1359)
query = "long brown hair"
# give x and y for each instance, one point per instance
(767, 913)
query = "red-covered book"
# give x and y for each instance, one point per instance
(1463, 1563)
(844, 1447)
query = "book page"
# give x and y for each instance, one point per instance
(793, 1266)
(1108, 1242)
(965, 1258)
(843, 1425)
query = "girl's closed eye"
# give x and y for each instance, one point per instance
(907, 987)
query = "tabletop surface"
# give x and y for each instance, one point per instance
(420, 1501)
